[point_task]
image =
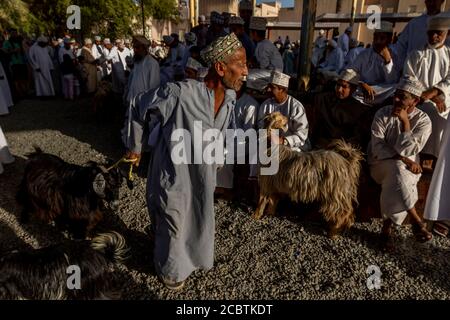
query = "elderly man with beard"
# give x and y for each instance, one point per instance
(431, 66)
(180, 185)
(399, 133)
(145, 73)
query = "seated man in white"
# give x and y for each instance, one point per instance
(378, 68)
(431, 66)
(399, 133)
(296, 135)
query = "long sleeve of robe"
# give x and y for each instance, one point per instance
(398, 184)
(268, 56)
(297, 131)
(39, 58)
(432, 68)
(180, 196)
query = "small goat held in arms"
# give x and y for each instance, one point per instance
(44, 274)
(329, 177)
(73, 196)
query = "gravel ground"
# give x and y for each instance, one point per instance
(277, 258)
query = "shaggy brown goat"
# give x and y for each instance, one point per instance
(73, 196)
(329, 177)
(39, 274)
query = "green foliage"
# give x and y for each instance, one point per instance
(112, 18)
(161, 9)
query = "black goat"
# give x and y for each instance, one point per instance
(73, 196)
(44, 273)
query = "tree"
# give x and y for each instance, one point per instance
(16, 14)
(162, 9)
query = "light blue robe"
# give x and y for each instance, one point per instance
(180, 197)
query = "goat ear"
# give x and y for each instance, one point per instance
(99, 185)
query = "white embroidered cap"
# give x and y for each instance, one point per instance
(280, 79)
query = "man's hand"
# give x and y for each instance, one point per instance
(430, 94)
(440, 104)
(133, 156)
(412, 166)
(369, 93)
(386, 55)
(401, 114)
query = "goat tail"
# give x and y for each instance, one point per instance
(113, 246)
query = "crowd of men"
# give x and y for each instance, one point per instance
(390, 99)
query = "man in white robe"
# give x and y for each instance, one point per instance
(5, 155)
(145, 73)
(67, 49)
(399, 133)
(437, 207)
(97, 53)
(180, 192)
(42, 65)
(266, 54)
(320, 45)
(344, 40)
(431, 67)
(296, 136)
(378, 68)
(5, 93)
(333, 63)
(353, 53)
(117, 58)
(414, 36)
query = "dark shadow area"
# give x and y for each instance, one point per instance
(77, 119)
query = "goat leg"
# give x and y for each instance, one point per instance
(259, 212)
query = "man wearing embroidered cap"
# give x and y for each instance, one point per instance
(180, 186)
(266, 54)
(237, 27)
(378, 67)
(399, 133)
(42, 65)
(340, 115)
(296, 135)
(145, 74)
(216, 29)
(430, 66)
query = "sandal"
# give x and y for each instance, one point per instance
(440, 229)
(421, 232)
